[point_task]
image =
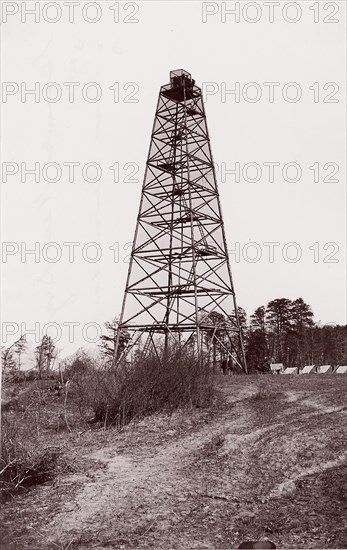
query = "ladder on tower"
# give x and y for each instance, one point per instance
(147, 345)
(203, 236)
(205, 249)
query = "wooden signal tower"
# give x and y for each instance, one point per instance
(179, 288)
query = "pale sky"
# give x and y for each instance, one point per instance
(139, 56)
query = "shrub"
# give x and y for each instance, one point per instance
(78, 365)
(264, 390)
(267, 388)
(22, 464)
(146, 386)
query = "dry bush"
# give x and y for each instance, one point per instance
(213, 446)
(146, 386)
(24, 460)
(266, 388)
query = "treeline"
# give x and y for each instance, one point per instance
(45, 355)
(284, 332)
(281, 332)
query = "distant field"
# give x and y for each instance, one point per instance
(267, 461)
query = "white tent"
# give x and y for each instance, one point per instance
(290, 370)
(277, 368)
(325, 369)
(341, 370)
(308, 369)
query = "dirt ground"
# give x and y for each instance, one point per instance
(267, 462)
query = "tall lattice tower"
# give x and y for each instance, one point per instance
(179, 282)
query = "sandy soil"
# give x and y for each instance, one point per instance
(267, 463)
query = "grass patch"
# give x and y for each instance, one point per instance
(310, 517)
(213, 446)
(265, 389)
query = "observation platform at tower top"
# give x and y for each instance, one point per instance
(181, 78)
(181, 86)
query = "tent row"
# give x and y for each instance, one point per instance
(323, 369)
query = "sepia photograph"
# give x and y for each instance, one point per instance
(173, 275)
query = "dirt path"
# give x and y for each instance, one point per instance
(151, 487)
(244, 472)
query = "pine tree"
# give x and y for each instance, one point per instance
(7, 359)
(45, 354)
(19, 347)
(108, 340)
